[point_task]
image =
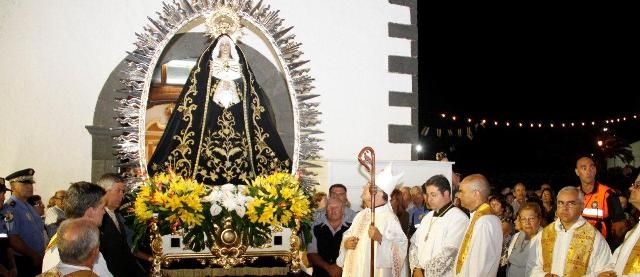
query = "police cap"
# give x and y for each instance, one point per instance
(22, 176)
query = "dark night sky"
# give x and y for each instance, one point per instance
(521, 61)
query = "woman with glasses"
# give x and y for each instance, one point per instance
(529, 217)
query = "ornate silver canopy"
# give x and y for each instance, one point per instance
(136, 81)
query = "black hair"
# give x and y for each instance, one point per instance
(438, 181)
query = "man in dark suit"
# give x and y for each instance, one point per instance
(113, 239)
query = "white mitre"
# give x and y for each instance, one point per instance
(386, 181)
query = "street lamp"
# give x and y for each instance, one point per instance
(418, 150)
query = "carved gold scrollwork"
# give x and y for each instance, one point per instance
(296, 262)
(156, 248)
(227, 249)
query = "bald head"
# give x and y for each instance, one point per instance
(78, 241)
(480, 183)
(474, 191)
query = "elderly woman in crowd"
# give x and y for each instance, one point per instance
(530, 217)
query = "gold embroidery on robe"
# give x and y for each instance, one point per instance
(236, 148)
(579, 252)
(633, 262)
(483, 210)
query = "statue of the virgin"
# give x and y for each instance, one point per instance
(220, 130)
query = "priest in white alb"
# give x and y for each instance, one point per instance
(479, 253)
(570, 246)
(390, 242)
(627, 256)
(435, 243)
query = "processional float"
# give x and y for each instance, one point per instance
(227, 246)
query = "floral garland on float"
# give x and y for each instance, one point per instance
(225, 219)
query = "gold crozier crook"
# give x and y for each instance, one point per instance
(367, 158)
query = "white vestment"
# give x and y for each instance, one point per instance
(52, 259)
(518, 253)
(485, 248)
(598, 262)
(434, 245)
(390, 254)
(621, 255)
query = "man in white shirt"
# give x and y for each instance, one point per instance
(627, 256)
(78, 246)
(479, 252)
(564, 245)
(390, 242)
(434, 246)
(83, 200)
(54, 215)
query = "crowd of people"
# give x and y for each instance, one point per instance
(466, 227)
(72, 236)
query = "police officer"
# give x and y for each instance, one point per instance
(7, 263)
(25, 229)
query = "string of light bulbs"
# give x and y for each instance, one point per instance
(464, 124)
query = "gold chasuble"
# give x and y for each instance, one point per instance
(633, 262)
(483, 210)
(579, 252)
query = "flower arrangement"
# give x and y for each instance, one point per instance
(174, 200)
(195, 211)
(230, 201)
(278, 200)
(229, 197)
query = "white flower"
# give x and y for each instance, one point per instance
(215, 209)
(229, 203)
(240, 210)
(241, 188)
(228, 188)
(215, 196)
(241, 199)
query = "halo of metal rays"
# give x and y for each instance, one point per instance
(136, 81)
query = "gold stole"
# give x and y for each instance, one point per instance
(81, 273)
(52, 242)
(483, 210)
(633, 262)
(579, 252)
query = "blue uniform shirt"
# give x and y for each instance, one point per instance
(417, 214)
(26, 223)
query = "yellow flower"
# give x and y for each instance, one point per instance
(253, 217)
(162, 178)
(300, 207)
(267, 213)
(287, 193)
(142, 211)
(286, 217)
(174, 203)
(145, 191)
(273, 192)
(191, 219)
(178, 187)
